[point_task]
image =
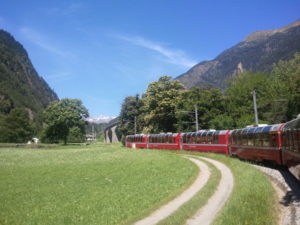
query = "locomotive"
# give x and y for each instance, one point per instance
(278, 143)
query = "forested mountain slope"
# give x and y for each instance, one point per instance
(20, 85)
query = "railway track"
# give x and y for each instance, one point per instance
(288, 190)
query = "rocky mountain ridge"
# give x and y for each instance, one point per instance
(258, 52)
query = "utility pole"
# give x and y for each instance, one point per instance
(196, 117)
(255, 108)
(135, 125)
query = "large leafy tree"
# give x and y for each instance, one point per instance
(209, 102)
(285, 90)
(131, 113)
(62, 116)
(239, 100)
(160, 102)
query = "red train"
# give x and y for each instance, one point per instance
(279, 143)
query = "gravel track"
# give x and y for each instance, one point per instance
(207, 213)
(173, 205)
(288, 190)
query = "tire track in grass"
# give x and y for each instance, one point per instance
(189, 209)
(207, 214)
(173, 205)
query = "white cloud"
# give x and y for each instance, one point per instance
(68, 10)
(41, 41)
(174, 56)
(100, 119)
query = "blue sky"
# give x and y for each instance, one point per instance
(102, 51)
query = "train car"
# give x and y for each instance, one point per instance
(257, 143)
(206, 141)
(164, 141)
(136, 141)
(291, 146)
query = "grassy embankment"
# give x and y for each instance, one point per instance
(97, 184)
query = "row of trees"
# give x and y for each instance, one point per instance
(167, 107)
(63, 120)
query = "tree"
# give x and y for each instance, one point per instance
(16, 126)
(131, 112)
(209, 102)
(285, 90)
(160, 102)
(61, 116)
(239, 100)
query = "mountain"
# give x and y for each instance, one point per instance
(20, 84)
(258, 52)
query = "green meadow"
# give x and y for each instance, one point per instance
(109, 184)
(96, 184)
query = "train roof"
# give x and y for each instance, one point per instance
(293, 124)
(205, 132)
(262, 129)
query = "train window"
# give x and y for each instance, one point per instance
(256, 139)
(239, 137)
(297, 138)
(216, 139)
(273, 140)
(286, 140)
(233, 138)
(198, 138)
(189, 139)
(293, 140)
(266, 141)
(209, 138)
(203, 136)
(184, 138)
(170, 139)
(194, 138)
(244, 137)
(250, 139)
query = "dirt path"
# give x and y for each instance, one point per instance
(207, 213)
(173, 205)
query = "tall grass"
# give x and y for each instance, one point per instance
(97, 184)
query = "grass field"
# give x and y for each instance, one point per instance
(108, 184)
(97, 184)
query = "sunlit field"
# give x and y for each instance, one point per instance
(96, 184)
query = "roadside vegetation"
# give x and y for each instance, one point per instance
(96, 184)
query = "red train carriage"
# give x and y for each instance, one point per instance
(164, 141)
(291, 146)
(136, 141)
(206, 141)
(257, 143)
